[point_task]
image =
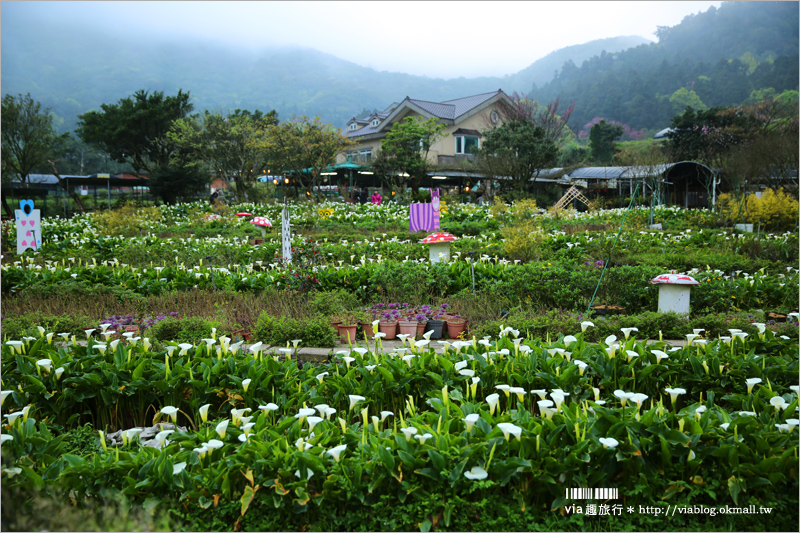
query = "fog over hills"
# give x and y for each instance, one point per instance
(73, 69)
(714, 58)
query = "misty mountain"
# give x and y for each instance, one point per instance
(74, 70)
(716, 58)
(722, 55)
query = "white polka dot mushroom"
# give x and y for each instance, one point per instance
(673, 292)
(439, 246)
(262, 223)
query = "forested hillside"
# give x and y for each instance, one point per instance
(718, 57)
(715, 58)
(75, 71)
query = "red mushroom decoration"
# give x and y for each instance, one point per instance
(262, 223)
(673, 292)
(243, 214)
(439, 246)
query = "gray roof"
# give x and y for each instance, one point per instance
(662, 134)
(627, 172)
(598, 172)
(448, 110)
(452, 109)
(436, 109)
(464, 105)
(366, 130)
(49, 179)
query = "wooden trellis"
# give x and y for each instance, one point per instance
(572, 194)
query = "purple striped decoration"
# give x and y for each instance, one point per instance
(421, 218)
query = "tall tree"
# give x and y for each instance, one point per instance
(229, 145)
(404, 150)
(601, 140)
(555, 124)
(134, 130)
(180, 180)
(747, 144)
(29, 141)
(28, 136)
(304, 148)
(519, 150)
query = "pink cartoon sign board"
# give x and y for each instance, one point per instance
(29, 232)
(425, 217)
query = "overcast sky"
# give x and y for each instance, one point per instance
(436, 39)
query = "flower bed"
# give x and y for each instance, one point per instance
(711, 424)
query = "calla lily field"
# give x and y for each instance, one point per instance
(491, 430)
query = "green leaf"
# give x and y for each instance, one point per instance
(247, 498)
(386, 458)
(446, 364)
(458, 471)
(407, 458)
(226, 485)
(386, 374)
(429, 472)
(74, 460)
(37, 347)
(139, 370)
(32, 476)
(438, 461)
(426, 525)
(735, 486)
(37, 384)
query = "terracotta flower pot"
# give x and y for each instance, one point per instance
(348, 331)
(456, 326)
(421, 328)
(407, 327)
(389, 327)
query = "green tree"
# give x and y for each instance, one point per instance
(404, 150)
(519, 150)
(521, 109)
(683, 98)
(178, 181)
(228, 145)
(28, 137)
(601, 141)
(134, 130)
(304, 148)
(77, 157)
(29, 141)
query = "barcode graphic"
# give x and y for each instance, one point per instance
(592, 494)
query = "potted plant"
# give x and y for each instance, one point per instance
(348, 325)
(365, 321)
(407, 325)
(444, 311)
(422, 322)
(435, 324)
(388, 324)
(456, 324)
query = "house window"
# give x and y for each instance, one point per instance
(375, 123)
(352, 156)
(353, 126)
(466, 144)
(366, 155)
